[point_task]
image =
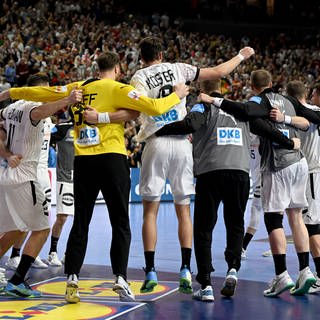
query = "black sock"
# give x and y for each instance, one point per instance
(22, 269)
(186, 258)
(15, 252)
(54, 244)
(317, 265)
(247, 238)
(279, 263)
(303, 260)
(149, 258)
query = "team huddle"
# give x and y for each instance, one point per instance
(218, 157)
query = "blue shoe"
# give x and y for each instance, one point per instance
(230, 283)
(21, 290)
(185, 284)
(205, 294)
(150, 282)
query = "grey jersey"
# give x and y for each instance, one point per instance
(273, 156)
(310, 142)
(222, 144)
(65, 157)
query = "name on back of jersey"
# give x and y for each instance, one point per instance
(160, 78)
(15, 115)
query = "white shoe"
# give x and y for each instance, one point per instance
(267, 253)
(243, 254)
(230, 283)
(205, 294)
(2, 270)
(39, 264)
(122, 288)
(72, 290)
(305, 281)
(3, 280)
(315, 287)
(12, 263)
(279, 284)
(53, 260)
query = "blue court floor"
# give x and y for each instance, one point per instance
(168, 303)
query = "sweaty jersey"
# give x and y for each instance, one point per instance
(105, 96)
(157, 81)
(23, 137)
(310, 142)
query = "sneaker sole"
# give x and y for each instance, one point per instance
(204, 299)
(229, 287)
(275, 294)
(305, 289)
(71, 294)
(149, 286)
(123, 294)
(185, 286)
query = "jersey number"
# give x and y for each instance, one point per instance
(165, 91)
(12, 128)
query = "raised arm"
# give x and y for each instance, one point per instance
(225, 68)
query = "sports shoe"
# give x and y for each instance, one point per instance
(12, 263)
(279, 284)
(2, 270)
(315, 287)
(305, 280)
(205, 294)
(21, 290)
(63, 259)
(267, 253)
(150, 281)
(53, 260)
(72, 290)
(230, 283)
(39, 264)
(185, 283)
(3, 279)
(122, 288)
(243, 254)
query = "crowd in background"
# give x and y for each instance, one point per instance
(63, 39)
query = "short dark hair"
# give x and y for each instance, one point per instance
(210, 86)
(37, 79)
(260, 78)
(317, 87)
(150, 47)
(296, 89)
(107, 61)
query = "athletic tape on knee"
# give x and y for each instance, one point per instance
(151, 198)
(313, 229)
(182, 200)
(273, 221)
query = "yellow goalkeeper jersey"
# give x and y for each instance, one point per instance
(104, 95)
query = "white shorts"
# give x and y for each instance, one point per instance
(23, 207)
(167, 158)
(44, 180)
(285, 188)
(312, 214)
(65, 198)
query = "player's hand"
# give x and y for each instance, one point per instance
(14, 160)
(296, 143)
(90, 115)
(202, 97)
(181, 89)
(246, 52)
(75, 96)
(276, 115)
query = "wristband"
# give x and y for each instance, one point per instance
(217, 102)
(239, 55)
(287, 119)
(103, 117)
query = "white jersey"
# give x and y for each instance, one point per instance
(310, 142)
(23, 137)
(44, 154)
(157, 81)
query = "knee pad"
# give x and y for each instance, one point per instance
(313, 229)
(151, 198)
(273, 221)
(182, 200)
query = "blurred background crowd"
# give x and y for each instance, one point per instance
(63, 38)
